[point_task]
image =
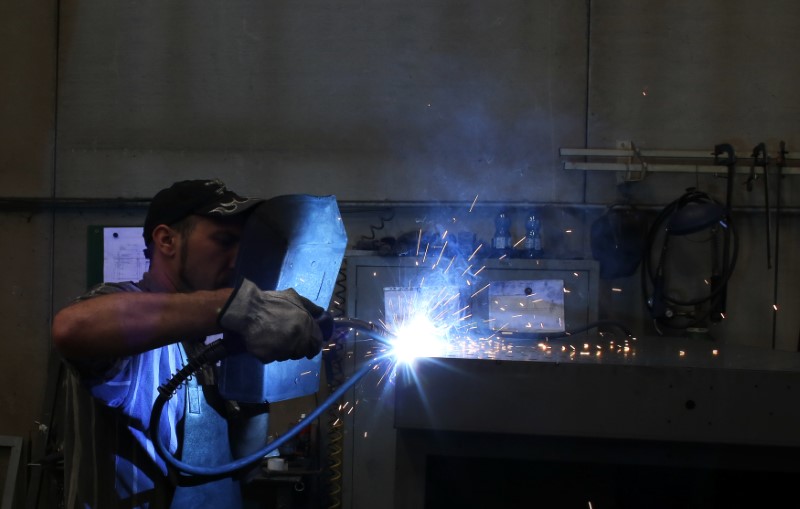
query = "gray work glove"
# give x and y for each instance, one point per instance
(273, 325)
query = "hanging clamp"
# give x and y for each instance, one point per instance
(642, 173)
(759, 159)
(730, 155)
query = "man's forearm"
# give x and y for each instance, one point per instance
(126, 323)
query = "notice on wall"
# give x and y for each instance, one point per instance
(123, 254)
(535, 306)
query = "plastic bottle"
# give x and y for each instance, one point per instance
(502, 244)
(532, 245)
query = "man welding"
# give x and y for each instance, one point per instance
(121, 340)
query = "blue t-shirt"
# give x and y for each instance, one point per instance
(109, 460)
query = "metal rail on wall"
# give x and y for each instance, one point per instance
(636, 163)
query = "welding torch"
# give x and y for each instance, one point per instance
(218, 350)
(344, 324)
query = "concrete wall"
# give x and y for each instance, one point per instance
(380, 103)
(27, 121)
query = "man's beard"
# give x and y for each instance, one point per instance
(182, 275)
(188, 286)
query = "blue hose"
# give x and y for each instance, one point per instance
(166, 392)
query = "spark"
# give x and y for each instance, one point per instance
(419, 240)
(475, 252)
(440, 254)
(389, 371)
(616, 289)
(459, 311)
(473, 203)
(517, 243)
(775, 307)
(479, 291)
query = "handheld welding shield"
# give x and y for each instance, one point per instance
(291, 241)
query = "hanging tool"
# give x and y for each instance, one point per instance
(780, 163)
(760, 159)
(718, 306)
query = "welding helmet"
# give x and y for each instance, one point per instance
(617, 240)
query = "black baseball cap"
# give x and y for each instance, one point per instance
(209, 198)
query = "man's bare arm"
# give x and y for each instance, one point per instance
(127, 323)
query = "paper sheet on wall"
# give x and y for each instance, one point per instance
(123, 256)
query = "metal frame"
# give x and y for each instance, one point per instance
(15, 446)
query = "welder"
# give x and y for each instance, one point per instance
(121, 340)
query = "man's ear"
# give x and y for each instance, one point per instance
(165, 240)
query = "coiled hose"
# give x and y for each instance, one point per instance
(334, 372)
(654, 275)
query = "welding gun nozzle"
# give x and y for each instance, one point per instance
(367, 328)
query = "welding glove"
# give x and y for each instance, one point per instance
(274, 325)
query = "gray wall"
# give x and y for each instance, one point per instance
(27, 113)
(381, 103)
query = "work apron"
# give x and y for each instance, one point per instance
(206, 443)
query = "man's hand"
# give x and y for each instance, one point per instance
(274, 325)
